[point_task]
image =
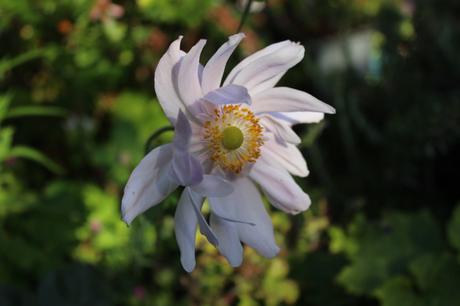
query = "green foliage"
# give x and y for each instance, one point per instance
(402, 260)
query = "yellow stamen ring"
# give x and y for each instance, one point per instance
(233, 137)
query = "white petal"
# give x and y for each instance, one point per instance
(280, 128)
(213, 186)
(229, 241)
(186, 223)
(188, 79)
(285, 99)
(245, 203)
(280, 188)
(186, 170)
(264, 68)
(165, 74)
(286, 155)
(148, 184)
(214, 69)
(197, 201)
(182, 132)
(299, 117)
(230, 94)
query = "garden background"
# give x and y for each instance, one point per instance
(77, 106)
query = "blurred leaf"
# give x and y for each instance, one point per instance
(398, 291)
(25, 111)
(6, 138)
(385, 250)
(10, 63)
(36, 156)
(5, 101)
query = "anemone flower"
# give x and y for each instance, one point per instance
(230, 137)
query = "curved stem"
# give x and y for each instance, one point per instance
(247, 8)
(156, 135)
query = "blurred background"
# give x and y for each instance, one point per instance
(77, 106)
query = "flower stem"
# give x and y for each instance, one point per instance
(154, 136)
(247, 8)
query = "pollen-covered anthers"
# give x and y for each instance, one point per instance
(233, 137)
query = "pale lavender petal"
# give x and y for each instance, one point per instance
(285, 99)
(245, 203)
(214, 69)
(188, 79)
(229, 241)
(186, 223)
(286, 155)
(298, 117)
(205, 229)
(182, 132)
(213, 186)
(280, 128)
(279, 186)
(186, 170)
(165, 76)
(230, 94)
(248, 61)
(263, 69)
(149, 183)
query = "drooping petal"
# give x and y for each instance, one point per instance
(214, 69)
(197, 200)
(264, 68)
(230, 94)
(285, 99)
(280, 128)
(246, 204)
(165, 76)
(298, 117)
(182, 132)
(148, 184)
(229, 241)
(188, 79)
(186, 170)
(286, 155)
(280, 188)
(186, 223)
(213, 186)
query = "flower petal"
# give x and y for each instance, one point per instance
(188, 79)
(186, 170)
(197, 201)
(214, 69)
(165, 74)
(280, 128)
(285, 99)
(148, 184)
(246, 204)
(230, 94)
(186, 223)
(213, 186)
(264, 68)
(298, 117)
(280, 188)
(229, 241)
(286, 155)
(182, 132)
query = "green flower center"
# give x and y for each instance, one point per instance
(232, 138)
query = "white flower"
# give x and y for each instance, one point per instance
(228, 138)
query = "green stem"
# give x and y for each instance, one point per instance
(247, 8)
(155, 136)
